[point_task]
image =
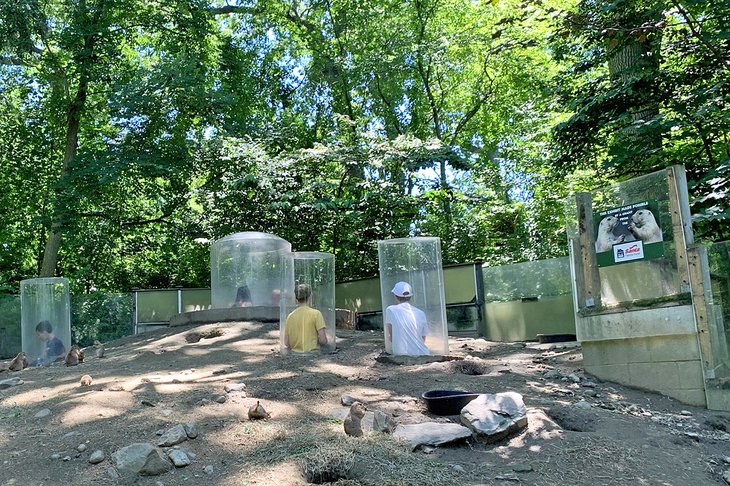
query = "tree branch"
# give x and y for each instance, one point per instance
(229, 9)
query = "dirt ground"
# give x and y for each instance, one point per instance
(154, 381)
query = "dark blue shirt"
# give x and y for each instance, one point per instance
(55, 348)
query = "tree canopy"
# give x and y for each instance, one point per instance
(133, 133)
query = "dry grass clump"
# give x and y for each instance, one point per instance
(469, 367)
(325, 456)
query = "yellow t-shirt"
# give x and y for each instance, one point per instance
(302, 326)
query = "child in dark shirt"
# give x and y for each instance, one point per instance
(54, 346)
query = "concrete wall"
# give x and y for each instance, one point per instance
(652, 349)
(667, 364)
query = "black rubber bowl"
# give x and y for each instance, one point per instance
(447, 402)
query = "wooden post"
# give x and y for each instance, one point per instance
(699, 276)
(681, 221)
(588, 281)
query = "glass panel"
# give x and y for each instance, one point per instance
(156, 305)
(46, 319)
(417, 263)
(641, 279)
(718, 256)
(246, 269)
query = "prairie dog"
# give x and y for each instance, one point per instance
(353, 421)
(258, 411)
(605, 238)
(644, 227)
(20, 362)
(86, 380)
(100, 350)
(74, 357)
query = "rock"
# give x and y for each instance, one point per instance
(457, 468)
(590, 392)
(347, 400)
(66, 458)
(81, 447)
(726, 476)
(582, 405)
(179, 458)
(431, 433)
(70, 434)
(166, 412)
(44, 412)
(191, 430)
(221, 399)
(173, 436)
(574, 378)
(113, 473)
(588, 384)
(552, 374)
(15, 381)
(140, 458)
(726, 459)
(521, 468)
(493, 417)
(97, 456)
(203, 402)
(234, 387)
(686, 413)
(56, 456)
(208, 469)
(382, 422)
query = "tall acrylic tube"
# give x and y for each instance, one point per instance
(45, 319)
(412, 290)
(316, 270)
(246, 269)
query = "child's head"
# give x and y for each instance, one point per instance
(302, 292)
(44, 330)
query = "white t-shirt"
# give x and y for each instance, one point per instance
(409, 326)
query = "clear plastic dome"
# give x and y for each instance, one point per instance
(246, 269)
(315, 270)
(45, 316)
(412, 292)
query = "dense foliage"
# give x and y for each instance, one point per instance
(133, 133)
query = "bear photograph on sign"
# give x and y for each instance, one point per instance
(628, 233)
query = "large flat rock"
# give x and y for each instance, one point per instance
(492, 417)
(431, 433)
(260, 313)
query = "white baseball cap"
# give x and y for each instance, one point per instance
(402, 289)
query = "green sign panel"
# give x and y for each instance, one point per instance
(628, 233)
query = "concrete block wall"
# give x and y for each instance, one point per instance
(668, 364)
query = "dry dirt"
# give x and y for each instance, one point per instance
(156, 380)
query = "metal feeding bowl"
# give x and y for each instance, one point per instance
(447, 402)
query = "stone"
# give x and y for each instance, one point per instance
(179, 458)
(191, 430)
(590, 392)
(66, 458)
(234, 387)
(493, 417)
(588, 384)
(44, 412)
(726, 476)
(347, 400)
(166, 412)
(140, 458)
(552, 374)
(81, 447)
(521, 468)
(173, 436)
(221, 399)
(208, 469)
(56, 456)
(97, 456)
(457, 468)
(70, 434)
(382, 422)
(112, 473)
(431, 433)
(686, 413)
(15, 381)
(574, 378)
(582, 405)
(203, 402)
